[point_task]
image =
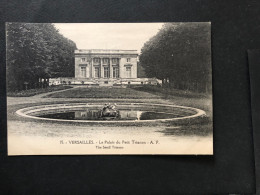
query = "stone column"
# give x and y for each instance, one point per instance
(101, 68)
(110, 68)
(90, 68)
(120, 68)
(76, 67)
(93, 68)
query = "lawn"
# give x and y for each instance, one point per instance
(103, 92)
(32, 92)
(169, 92)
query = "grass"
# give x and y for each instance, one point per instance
(103, 92)
(168, 92)
(32, 92)
(134, 92)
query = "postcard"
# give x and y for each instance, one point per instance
(109, 88)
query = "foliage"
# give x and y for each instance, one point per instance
(140, 71)
(179, 54)
(36, 51)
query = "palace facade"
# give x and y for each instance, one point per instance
(106, 64)
(101, 67)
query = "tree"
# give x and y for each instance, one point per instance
(140, 71)
(179, 54)
(36, 52)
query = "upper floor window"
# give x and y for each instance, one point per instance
(105, 60)
(83, 59)
(96, 60)
(128, 59)
(115, 60)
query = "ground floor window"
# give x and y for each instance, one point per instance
(97, 72)
(115, 72)
(83, 71)
(106, 72)
(128, 72)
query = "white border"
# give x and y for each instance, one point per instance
(25, 111)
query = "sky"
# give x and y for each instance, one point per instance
(109, 35)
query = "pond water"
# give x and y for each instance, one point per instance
(94, 114)
(123, 112)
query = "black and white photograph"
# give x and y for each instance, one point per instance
(109, 88)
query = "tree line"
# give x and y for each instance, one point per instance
(180, 55)
(36, 52)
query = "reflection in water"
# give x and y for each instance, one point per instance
(91, 114)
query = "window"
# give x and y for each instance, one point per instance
(97, 72)
(106, 72)
(128, 72)
(83, 71)
(105, 60)
(115, 72)
(83, 59)
(96, 60)
(128, 59)
(115, 60)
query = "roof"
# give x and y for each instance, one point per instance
(105, 51)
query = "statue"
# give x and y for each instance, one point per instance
(109, 112)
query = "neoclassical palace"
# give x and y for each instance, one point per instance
(99, 63)
(103, 67)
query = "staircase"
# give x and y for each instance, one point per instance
(107, 82)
